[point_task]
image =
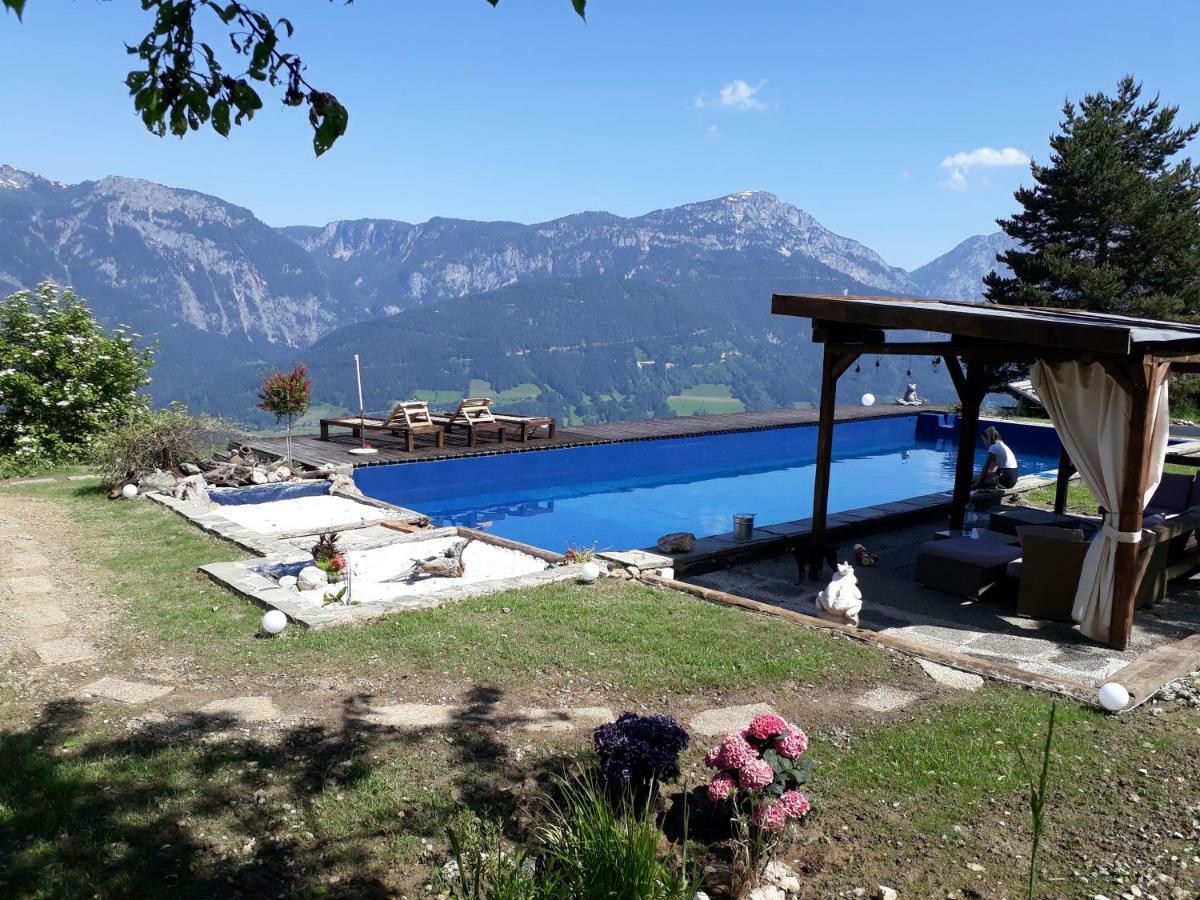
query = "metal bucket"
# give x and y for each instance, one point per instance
(743, 526)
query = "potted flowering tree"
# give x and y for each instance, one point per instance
(286, 395)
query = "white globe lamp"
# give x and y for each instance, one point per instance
(589, 572)
(868, 399)
(273, 621)
(129, 491)
(1113, 696)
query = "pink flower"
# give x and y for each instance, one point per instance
(793, 743)
(770, 816)
(755, 774)
(734, 752)
(765, 726)
(795, 805)
(712, 757)
(721, 787)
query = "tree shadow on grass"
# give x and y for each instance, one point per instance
(197, 806)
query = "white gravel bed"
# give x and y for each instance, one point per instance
(319, 513)
(369, 568)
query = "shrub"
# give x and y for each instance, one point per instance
(286, 395)
(638, 751)
(64, 380)
(328, 556)
(157, 439)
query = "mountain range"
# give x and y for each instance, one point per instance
(590, 316)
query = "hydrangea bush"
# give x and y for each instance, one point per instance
(64, 379)
(638, 751)
(759, 768)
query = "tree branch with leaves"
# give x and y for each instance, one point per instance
(182, 84)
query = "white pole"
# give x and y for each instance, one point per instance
(362, 432)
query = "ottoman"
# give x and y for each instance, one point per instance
(964, 566)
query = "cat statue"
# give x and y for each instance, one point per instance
(841, 601)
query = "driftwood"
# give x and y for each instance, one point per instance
(447, 564)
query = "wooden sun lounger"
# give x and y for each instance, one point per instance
(528, 424)
(474, 415)
(406, 420)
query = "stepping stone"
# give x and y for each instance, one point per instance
(30, 584)
(244, 709)
(411, 715)
(66, 650)
(885, 699)
(40, 614)
(952, 678)
(131, 692)
(27, 562)
(713, 722)
(534, 719)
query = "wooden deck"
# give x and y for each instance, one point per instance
(312, 451)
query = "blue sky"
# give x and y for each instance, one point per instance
(855, 112)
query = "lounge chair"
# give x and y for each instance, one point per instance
(528, 424)
(406, 420)
(475, 415)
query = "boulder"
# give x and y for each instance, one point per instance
(343, 483)
(284, 473)
(311, 578)
(273, 477)
(767, 892)
(194, 487)
(258, 476)
(158, 480)
(189, 468)
(287, 582)
(676, 542)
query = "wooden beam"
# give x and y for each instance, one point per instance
(833, 364)
(971, 396)
(957, 378)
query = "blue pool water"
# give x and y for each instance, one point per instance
(625, 495)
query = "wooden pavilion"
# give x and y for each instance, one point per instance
(976, 340)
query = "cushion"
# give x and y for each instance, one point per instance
(1050, 531)
(1173, 493)
(969, 550)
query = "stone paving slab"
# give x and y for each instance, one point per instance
(39, 614)
(30, 584)
(886, 699)
(66, 650)
(243, 709)
(131, 692)
(535, 719)
(953, 678)
(643, 559)
(714, 722)
(411, 715)
(27, 561)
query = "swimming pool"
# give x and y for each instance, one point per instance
(626, 495)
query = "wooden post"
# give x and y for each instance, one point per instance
(833, 364)
(971, 387)
(1065, 469)
(1143, 376)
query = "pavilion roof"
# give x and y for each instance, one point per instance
(993, 324)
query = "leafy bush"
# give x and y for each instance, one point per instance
(64, 380)
(157, 439)
(638, 751)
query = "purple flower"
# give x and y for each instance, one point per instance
(637, 750)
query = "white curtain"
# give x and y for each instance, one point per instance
(1091, 412)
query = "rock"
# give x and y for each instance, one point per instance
(258, 476)
(667, 572)
(194, 487)
(311, 578)
(287, 582)
(273, 477)
(676, 542)
(953, 678)
(886, 893)
(189, 468)
(343, 483)
(284, 473)
(158, 480)
(699, 895)
(781, 876)
(767, 892)
(633, 571)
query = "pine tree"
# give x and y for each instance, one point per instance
(1113, 223)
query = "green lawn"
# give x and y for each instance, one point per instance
(439, 398)
(705, 398)
(1080, 500)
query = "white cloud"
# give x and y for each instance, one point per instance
(737, 94)
(986, 156)
(713, 131)
(960, 164)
